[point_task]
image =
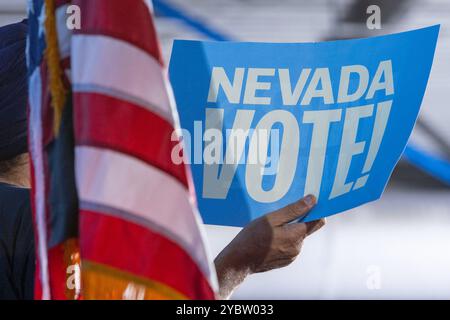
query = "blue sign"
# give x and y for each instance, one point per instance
(266, 123)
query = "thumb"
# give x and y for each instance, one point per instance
(293, 211)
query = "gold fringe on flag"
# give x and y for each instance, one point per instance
(102, 282)
(57, 89)
(72, 261)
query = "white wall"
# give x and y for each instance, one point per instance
(400, 242)
(12, 11)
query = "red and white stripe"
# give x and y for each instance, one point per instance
(124, 71)
(127, 183)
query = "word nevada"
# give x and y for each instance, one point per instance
(319, 85)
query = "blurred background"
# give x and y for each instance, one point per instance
(396, 247)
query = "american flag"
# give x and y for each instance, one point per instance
(109, 204)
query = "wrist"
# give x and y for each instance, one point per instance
(231, 271)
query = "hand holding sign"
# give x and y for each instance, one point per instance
(269, 123)
(267, 243)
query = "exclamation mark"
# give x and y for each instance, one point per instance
(381, 119)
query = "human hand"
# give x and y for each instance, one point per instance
(267, 243)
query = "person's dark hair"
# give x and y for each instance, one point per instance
(9, 166)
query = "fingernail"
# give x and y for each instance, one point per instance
(310, 200)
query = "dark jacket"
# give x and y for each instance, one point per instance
(17, 256)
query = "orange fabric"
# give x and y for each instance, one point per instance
(104, 282)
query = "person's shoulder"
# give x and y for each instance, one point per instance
(7, 190)
(14, 199)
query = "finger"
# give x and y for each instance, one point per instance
(296, 230)
(293, 211)
(313, 226)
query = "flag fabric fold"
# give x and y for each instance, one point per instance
(115, 217)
